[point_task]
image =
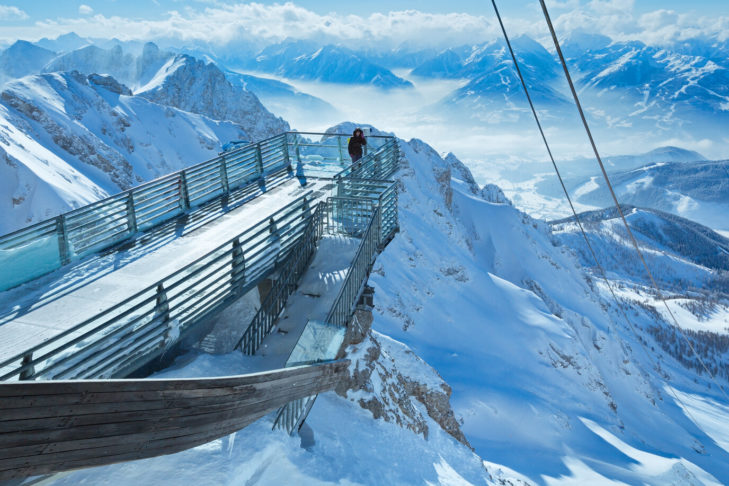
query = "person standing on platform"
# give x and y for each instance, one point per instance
(355, 144)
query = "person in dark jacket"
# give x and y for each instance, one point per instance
(355, 144)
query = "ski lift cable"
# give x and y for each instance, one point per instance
(633, 240)
(603, 273)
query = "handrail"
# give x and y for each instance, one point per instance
(53, 241)
(292, 415)
(223, 272)
(292, 269)
(359, 269)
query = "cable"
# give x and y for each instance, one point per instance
(615, 199)
(603, 273)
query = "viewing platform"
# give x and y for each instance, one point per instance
(118, 288)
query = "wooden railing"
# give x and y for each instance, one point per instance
(51, 426)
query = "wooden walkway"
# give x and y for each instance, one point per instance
(52, 426)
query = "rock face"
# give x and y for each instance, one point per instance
(192, 85)
(394, 384)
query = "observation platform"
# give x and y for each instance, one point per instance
(105, 291)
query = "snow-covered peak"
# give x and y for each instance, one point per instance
(70, 139)
(22, 58)
(199, 87)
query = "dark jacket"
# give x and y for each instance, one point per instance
(355, 146)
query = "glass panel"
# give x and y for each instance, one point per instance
(319, 342)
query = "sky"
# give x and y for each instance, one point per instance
(432, 23)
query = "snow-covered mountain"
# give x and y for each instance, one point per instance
(635, 95)
(64, 42)
(280, 97)
(129, 69)
(69, 139)
(21, 59)
(198, 87)
(329, 63)
(684, 255)
(695, 190)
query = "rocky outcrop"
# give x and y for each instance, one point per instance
(413, 399)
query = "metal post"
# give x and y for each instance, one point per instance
(27, 373)
(297, 149)
(341, 154)
(162, 307)
(237, 274)
(259, 159)
(131, 216)
(184, 196)
(305, 209)
(63, 251)
(286, 153)
(272, 228)
(224, 177)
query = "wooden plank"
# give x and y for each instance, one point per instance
(67, 440)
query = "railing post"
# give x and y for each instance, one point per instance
(297, 149)
(305, 209)
(63, 251)
(27, 373)
(224, 177)
(184, 196)
(341, 154)
(259, 159)
(131, 216)
(272, 228)
(237, 274)
(162, 307)
(286, 152)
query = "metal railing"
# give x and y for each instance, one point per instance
(383, 193)
(359, 270)
(283, 286)
(43, 247)
(46, 246)
(378, 165)
(292, 415)
(133, 332)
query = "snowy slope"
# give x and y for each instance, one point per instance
(695, 190)
(68, 140)
(546, 381)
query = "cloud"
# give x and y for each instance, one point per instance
(85, 9)
(253, 24)
(12, 13)
(220, 24)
